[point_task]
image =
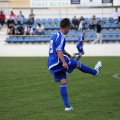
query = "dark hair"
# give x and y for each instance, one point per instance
(11, 12)
(65, 23)
(39, 24)
(83, 29)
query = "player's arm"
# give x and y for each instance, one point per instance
(60, 55)
(66, 53)
(83, 40)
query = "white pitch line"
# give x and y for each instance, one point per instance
(116, 76)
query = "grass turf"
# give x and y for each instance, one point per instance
(28, 91)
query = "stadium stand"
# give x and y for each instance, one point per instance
(110, 31)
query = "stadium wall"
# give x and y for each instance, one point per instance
(40, 50)
(63, 12)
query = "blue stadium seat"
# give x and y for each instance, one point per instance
(14, 39)
(78, 32)
(38, 39)
(15, 26)
(25, 20)
(114, 38)
(37, 20)
(90, 32)
(27, 39)
(104, 19)
(116, 31)
(104, 32)
(110, 19)
(98, 18)
(110, 31)
(106, 38)
(34, 26)
(46, 39)
(9, 40)
(61, 19)
(20, 39)
(93, 37)
(75, 39)
(86, 26)
(117, 25)
(113, 26)
(56, 20)
(88, 38)
(118, 37)
(69, 39)
(46, 26)
(48, 32)
(106, 25)
(54, 31)
(57, 26)
(52, 26)
(87, 20)
(43, 20)
(72, 32)
(43, 39)
(32, 39)
(24, 26)
(50, 20)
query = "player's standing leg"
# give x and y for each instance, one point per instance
(81, 52)
(61, 77)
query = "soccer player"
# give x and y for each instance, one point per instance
(60, 62)
(79, 45)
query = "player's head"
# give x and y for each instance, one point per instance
(83, 31)
(65, 25)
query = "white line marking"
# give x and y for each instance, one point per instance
(117, 76)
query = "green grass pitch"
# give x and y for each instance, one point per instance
(28, 91)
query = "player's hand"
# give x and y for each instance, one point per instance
(65, 65)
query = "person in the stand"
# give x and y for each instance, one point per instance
(99, 34)
(40, 29)
(75, 23)
(28, 30)
(2, 18)
(19, 30)
(81, 23)
(93, 22)
(11, 29)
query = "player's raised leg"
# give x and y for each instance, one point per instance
(87, 69)
(72, 64)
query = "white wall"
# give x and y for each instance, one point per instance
(65, 12)
(42, 50)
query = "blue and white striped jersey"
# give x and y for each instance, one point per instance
(81, 37)
(57, 42)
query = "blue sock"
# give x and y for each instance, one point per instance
(79, 56)
(86, 69)
(63, 92)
